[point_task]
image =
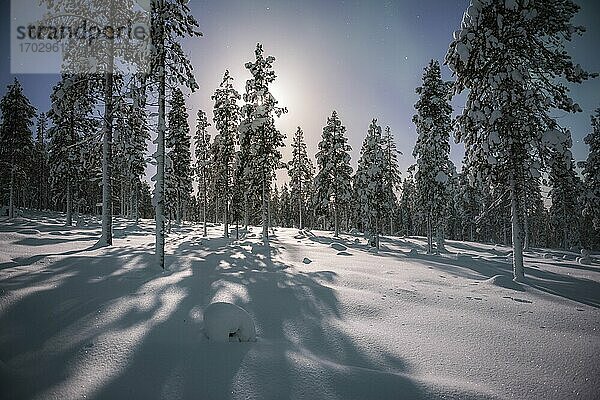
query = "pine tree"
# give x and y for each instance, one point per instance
(72, 105)
(591, 173)
(258, 129)
(369, 182)
(408, 200)
(226, 118)
(510, 57)
(179, 178)
(202, 153)
(564, 193)
(16, 139)
(301, 173)
(391, 175)
(171, 20)
(333, 188)
(432, 151)
(41, 162)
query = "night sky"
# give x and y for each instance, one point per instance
(361, 58)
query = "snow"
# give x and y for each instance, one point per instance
(78, 321)
(228, 322)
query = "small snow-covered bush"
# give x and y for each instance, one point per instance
(306, 260)
(226, 322)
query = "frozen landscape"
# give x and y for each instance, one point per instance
(334, 319)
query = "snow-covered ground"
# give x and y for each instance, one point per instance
(333, 319)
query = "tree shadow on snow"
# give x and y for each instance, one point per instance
(81, 305)
(581, 290)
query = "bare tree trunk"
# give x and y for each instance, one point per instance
(429, 235)
(160, 141)
(106, 238)
(11, 199)
(335, 219)
(69, 221)
(265, 221)
(300, 205)
(204, 212)
(518, 270)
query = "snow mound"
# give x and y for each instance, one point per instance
(338, 246)
(548, 256)
(306, 260)
(504, 281)
(226, 322)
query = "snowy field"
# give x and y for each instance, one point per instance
(344, 323)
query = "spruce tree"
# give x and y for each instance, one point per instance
(391, 175)
(369, 182)
(72, 105)
(41, 162)
(564, 193)
(333, 189)
(226, 118)
(591, 173)
(301, 173)
(258, 130)
(171, 22)
(179, 180)
(203, 162)
(16, 139)
(432, 152)
(510, 56)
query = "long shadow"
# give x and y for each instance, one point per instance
(297, 317)
(581, 290)
(68, 314)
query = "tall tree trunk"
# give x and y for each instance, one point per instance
(204, 212)
(11, 199)
(518, 270)
(246, 213)
(106, 238)
(160, 141)
(429, 235)
(300, 205)
(439, 239)
(335, 219)
(265, 221)
(226, 219)
(69, 221)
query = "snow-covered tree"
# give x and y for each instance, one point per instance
(226, 118)
(564, 193)
(407, 209)
(171, 21)
(591, 173)
(369, 182)
(41, 162)
(433, 122)
(258, 130)
(511, 56)
(178, 141)
(16, 139)
(72, 105)
(391, 175)
(301, 172)
(333, 188)
(203, 161)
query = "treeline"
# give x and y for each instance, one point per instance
(91, 147)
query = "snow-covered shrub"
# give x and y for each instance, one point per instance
(226, 322)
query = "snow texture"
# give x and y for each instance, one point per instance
(103, 323)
